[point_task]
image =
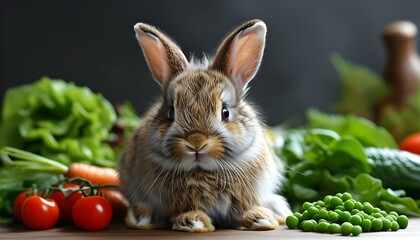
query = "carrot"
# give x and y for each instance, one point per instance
(102, 175)
(118, 202)
(95, 174)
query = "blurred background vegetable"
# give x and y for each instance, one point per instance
(392, 100)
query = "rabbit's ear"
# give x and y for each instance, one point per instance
(164, 57)
(240, 54)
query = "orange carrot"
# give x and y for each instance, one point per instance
(95, 174)
(118, 202)
(102, 175)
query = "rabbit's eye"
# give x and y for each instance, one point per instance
(225, 113)
(171, 113)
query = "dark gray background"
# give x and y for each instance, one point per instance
(92, 43)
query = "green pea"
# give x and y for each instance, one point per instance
(333, 217)
(383, 213)
(348, 205)
(323, 214)
(346, 196)
(355, 220)
(376, 210)
(393, 213)
(307, 205)
(292, 222)
(346, 228)
(367, 208)
(402, 221)
(314, 223)
(354, 211)
(308, 226)
(322, 220)
(395, 226)
(376, 224)
(377, 215)
(339, 195)
(338, 211)
(315, 229)
(297, 214)
(327, 199)
(366, 225)
(312, 211)
(365, 215)
(356, 230)
(301, 224)
(358, 205)
(340, 207)
(336, 201)
(345, 216)
(322, 227)
(361, 215)
(386, 224)
(305, 216)
(320, 203)
(334, 228)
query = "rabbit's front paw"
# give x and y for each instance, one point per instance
(193, 221)
(279, 206)
(259, 218)
(140, 220)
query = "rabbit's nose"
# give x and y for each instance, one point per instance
(196, 141)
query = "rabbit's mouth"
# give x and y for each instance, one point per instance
(199, 161)
(197, 156)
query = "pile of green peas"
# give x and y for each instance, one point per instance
(341, 214)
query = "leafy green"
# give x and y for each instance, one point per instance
(369, 189)
(366, 94)
(361, 88)
(323, 161)
(320, 162)
(364, 130)
(20, 170)
(402, 122)
(58, 120)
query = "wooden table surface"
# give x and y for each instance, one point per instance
(120, 231)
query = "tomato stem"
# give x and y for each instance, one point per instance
(84, 186)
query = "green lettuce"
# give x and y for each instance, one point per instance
(58, 120)
(364, 130)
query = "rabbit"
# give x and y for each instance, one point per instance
(201, 156)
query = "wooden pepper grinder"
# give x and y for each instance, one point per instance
(402, 71)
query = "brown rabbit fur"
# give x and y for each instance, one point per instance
(201, 156)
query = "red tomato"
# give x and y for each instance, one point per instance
(411, 143)
(92, 213)
(39, 213)
(66, 205)
(17, 204)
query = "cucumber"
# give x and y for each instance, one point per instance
(397, 169)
